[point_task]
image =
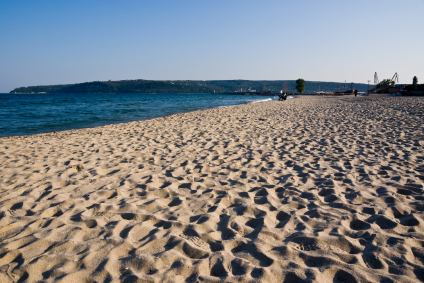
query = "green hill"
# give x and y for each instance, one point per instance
(149, 86)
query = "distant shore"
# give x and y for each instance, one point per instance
(181, 86)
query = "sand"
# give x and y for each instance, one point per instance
(312, 189)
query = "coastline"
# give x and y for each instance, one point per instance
(312, 189)
(93, 129)
(44, 113)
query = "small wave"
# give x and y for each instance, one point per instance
(261, 100)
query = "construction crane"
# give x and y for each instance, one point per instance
(395, 78)
(385, 83)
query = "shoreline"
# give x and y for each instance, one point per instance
(65, 132)
(312, 189)
(83, 117)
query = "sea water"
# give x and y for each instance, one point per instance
(27, 114)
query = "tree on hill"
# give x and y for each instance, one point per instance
(415, 82)
(300, 85)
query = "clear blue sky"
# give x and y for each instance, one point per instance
(61, 42)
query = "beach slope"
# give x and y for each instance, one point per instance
(313, 189)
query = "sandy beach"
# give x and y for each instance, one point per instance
(312, 189)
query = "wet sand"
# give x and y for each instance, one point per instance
(312, 189)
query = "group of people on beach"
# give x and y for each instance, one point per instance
(282, 96)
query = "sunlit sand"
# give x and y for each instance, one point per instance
(312, 189)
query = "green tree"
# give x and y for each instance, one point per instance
(415, 82)
(300, 85)
(386, 83)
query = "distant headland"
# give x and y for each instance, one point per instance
(187, 86)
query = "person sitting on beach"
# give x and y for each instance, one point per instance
(282, 96)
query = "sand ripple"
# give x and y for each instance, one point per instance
(308, 190)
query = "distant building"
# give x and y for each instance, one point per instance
(417, 90)
(403, 90)
(324, 93)
(250, 90)
(390, 90)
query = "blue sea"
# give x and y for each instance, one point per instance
(27, 114)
